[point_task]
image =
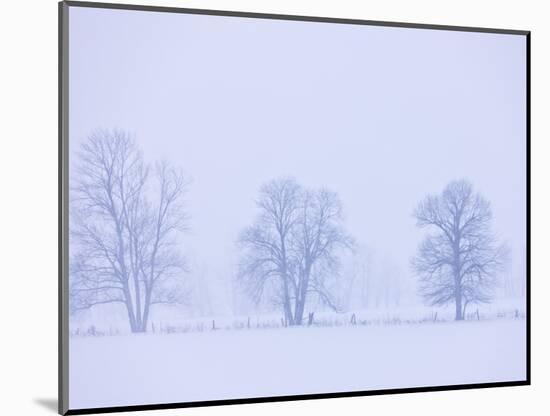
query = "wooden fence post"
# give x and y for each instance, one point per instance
(310, 319)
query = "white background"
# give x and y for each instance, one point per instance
(28, 206)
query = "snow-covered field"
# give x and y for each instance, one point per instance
(114, 320)
(183, 367)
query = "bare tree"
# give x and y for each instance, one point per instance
(293, 246)
(458, 262)
(268, 259)
(125, 220)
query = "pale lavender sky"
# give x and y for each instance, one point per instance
(380, 115)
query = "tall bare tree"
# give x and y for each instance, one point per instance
(292, 248)
(459, 260)
(125, 221)
(267, 260)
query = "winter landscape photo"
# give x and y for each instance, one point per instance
(263, 208)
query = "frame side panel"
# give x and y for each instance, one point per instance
(63, 231)
(528, 210)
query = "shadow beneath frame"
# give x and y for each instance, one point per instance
(48, 404)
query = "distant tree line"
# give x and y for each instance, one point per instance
(127, 217)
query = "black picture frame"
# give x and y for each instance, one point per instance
(63, 322)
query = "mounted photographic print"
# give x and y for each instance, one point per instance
(264, 207)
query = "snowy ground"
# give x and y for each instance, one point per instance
(153, 368)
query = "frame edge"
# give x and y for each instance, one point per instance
(301, 18)
(63, 230)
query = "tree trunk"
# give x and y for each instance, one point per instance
(302, 294)
(457, 278)
(284, 275)
(286, 303)
(129, 308)
(289, 320)
(137, 290)
(146, 308)
(458, 304)
(299, 312)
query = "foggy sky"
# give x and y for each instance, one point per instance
(380, 115)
